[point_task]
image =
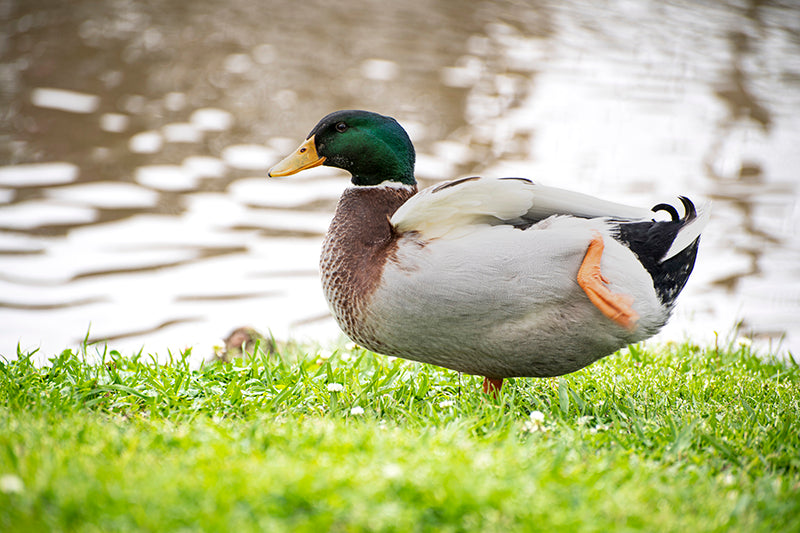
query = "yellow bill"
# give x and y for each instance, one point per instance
(302, 158)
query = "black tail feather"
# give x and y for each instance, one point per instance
(651, 241)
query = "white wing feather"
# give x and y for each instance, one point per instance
(453, 208)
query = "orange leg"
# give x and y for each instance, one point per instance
(615, 306)
(492, 386)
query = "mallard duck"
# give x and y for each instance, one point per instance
(498, 277)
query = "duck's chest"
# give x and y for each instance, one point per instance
(358, 245)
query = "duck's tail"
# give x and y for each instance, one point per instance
(667, 249)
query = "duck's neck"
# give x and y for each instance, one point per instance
(358, 244)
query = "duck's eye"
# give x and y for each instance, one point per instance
(341, 126)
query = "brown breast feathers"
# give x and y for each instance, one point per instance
(359, 242)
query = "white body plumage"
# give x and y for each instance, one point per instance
(499, 301)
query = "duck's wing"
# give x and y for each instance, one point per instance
(453, 207)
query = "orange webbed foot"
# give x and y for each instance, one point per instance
(615, 306)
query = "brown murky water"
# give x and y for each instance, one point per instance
(135, 137)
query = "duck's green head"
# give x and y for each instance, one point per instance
(372, 147)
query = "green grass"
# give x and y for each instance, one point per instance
(674, 438)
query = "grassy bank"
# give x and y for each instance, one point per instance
(676, 438)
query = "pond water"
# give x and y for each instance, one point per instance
(135, 138)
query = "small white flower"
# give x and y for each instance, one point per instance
(11, 483)
(537, 417)
(218, 346)
(744, 341)
(598, 428)
(335, 387)
(584, 420)
(357, 410)
(446, 403)
(536, 422)
(325, 354)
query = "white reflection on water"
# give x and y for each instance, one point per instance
(146, 142)
(249, 156)
(286, 193)
(64, 100)
(36, 213)
(38, 174)
(166, 178)
(210, 119)
(182, 132)
(106, 195)
(379, 69)
(145, 212)
(114, 122)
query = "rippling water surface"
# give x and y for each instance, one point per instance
(135, 138)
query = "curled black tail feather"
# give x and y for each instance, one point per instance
(673, 213)
(688, 209)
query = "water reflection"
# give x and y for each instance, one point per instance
(136, 138)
